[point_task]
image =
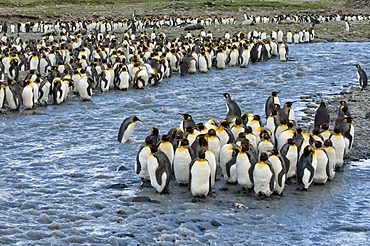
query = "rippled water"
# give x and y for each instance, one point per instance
(58, 162)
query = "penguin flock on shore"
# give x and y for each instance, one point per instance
(242, 149)
(71, 62)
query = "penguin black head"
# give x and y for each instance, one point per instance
(187, 116)
(288, 104)
(348, 119)
(336, 130)
(202, 140)
(184, 142)
(275, 151)
(328, 143)
(307, 150)
(318, 144)
(226, 95)
(165, 137)
(274, 93)
(224, 123)
(149, 140)
(264, 157)
(155, 131)
(316, 131)
(211, 132)
(322, 104)
(200, 126)
(290, 124)
(248, 129)
(290, 141)
(238, 121)
(325, 126)
(242, 135)
(202, 154)
(358, 66)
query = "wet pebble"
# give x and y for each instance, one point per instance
(116, 186)
(215, 223)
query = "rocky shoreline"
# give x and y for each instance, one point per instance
(360, 110)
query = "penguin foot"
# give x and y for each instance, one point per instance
(223, 189)
(183, 184)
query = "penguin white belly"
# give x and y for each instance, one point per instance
(278, 168)
(236, 130)
(245, 58)
(223, 136)
(214, 146)
(124, 79)
(233, 59)
(283, 137)
(265, 146)
(282, 54)
(232, 178)
(339, 146)
(181, 163)
(83, 88)
(242, 171)
(306, 178)
(128, 132)
(211, 158)
(225, 156)
(152, 168)
(192, 66)
(203, 66)
(167, 148)
(200, 175)
(330, 151)
(2, 97)
(35, 93)
(27, 97)
(34, 63)
(261, 178)
(143, 159)
(292, 156)
(321, 175)
(10, 99)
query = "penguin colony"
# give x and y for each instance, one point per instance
(257, 155)
(83, 57)
(75, 63)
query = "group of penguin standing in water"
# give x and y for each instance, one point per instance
(244, 151)
(73, 62)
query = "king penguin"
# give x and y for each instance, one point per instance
(186, 122)
(159, 168)
(200, 176)
(339, 145)
(306, 168)
(232, 107)
(166, 146)
(321, 116)
(244, 167)
(271, 100)
(127, 128)
(183, 157)
(278, 166)
(290, 154)
(330, 152)
(141, 165)
(263, 177)
(322, 169)
(362, 77)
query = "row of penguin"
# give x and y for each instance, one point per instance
(244, 151)
(85, 57)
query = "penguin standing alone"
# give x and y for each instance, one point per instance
(127, 128)
(362, 77)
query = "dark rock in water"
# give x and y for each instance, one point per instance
(122, 168)
(141, 199)
(121, 212)
(194, 27)
(126, 235)
(367, 115)
(216, 223)
(116, 186)
(355, 229)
